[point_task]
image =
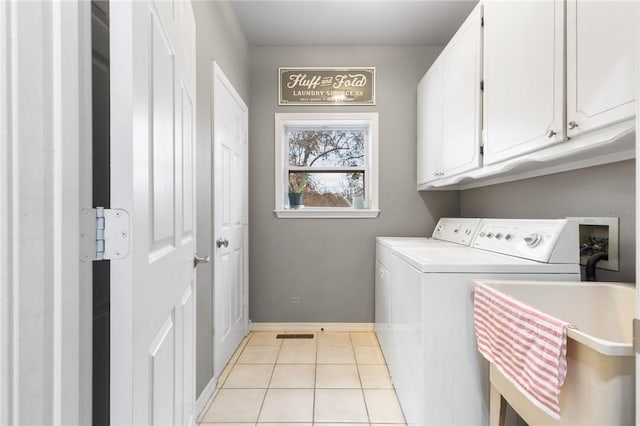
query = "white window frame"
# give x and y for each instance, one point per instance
(360, 119)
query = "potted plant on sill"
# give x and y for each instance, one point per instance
(297, 185)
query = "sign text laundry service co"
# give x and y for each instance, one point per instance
(327, 86)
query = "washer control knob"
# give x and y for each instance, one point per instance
(455, 231)
(467, 231)
(490, 235)
(532, 240)
(482, 234)
(498, 236)
(508, 237)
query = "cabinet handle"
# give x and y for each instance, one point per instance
(551, 134)
(572, 125)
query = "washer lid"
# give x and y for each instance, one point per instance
(469, 260)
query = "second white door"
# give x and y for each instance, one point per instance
(152, 323)
(231, 219)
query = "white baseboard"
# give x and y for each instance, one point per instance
(205, 397)
(312, 326)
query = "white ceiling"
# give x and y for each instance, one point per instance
(351, 22)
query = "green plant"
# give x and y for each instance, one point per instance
(297, 183)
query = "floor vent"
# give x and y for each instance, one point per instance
(295, 336)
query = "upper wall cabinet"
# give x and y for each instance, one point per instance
(449, 106)
(601, 64)
(430, 124)
(523, 74)
(559, 93)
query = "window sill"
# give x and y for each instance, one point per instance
(327, 213)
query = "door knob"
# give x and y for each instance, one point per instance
(551, 134)
(572, 125)
(198, 260)
(220, 242)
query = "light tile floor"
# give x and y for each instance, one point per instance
(336, 378)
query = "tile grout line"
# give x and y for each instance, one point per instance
(233, 362)
(393, 387)
(219, 388)
(364, 399)
(273, 369)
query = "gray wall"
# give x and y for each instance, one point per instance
(607, 190)
(219, 38)
(329, 263)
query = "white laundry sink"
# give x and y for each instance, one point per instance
(600, 385)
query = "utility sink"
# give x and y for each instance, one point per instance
(600, 385)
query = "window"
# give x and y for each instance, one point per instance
(326, 165)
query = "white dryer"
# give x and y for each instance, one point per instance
(430, 344)
(449, 232)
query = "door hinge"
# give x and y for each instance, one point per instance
(482, 85)
(104, 234)
(481, 150)
(482, 21)
(636, 335)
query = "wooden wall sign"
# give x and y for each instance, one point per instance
(326, 86)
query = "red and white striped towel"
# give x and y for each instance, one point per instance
(528, 346)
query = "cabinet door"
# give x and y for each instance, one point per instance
(523, 77)
(601, 63)
(462, 98)
(430, 124)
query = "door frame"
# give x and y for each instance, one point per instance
(45, 179)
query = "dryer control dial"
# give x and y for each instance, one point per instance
(532, 240)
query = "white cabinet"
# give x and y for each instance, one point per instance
(449, 106)
(462, 97)
(430, 124)
(523, 77)
(601, 63)
(559, 94)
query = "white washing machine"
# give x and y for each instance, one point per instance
(430, 343)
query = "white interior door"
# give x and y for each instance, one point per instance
(230, 227)
(153, 87)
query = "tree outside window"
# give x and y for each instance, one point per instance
(330, 161)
